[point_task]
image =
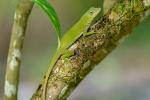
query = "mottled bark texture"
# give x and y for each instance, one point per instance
(107, 4)
(109, 31)
(21, 14)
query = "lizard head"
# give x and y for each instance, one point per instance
(89, 16)
(92, 13)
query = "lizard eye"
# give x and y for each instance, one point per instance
(91, 12)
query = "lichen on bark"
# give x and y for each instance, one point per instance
(21, 15)
(116, 24)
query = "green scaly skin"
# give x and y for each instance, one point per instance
(80, 28)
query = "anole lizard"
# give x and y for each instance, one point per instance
(79, 29)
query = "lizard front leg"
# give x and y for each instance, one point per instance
(67, 54)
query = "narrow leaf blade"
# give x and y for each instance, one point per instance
(48, 9)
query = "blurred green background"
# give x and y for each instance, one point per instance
(123, 75)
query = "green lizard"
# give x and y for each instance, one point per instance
(79, 29)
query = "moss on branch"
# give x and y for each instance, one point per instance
(115, 25)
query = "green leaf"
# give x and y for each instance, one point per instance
(45, 5)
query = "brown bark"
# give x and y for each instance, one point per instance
(115, 25)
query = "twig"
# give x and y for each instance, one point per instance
(21, 15)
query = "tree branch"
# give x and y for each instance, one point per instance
(107, 4)
(21, 15)
(115, 25)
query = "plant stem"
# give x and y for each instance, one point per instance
(21, 15)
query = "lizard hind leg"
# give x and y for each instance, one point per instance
(67, 54)
(88, 33)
